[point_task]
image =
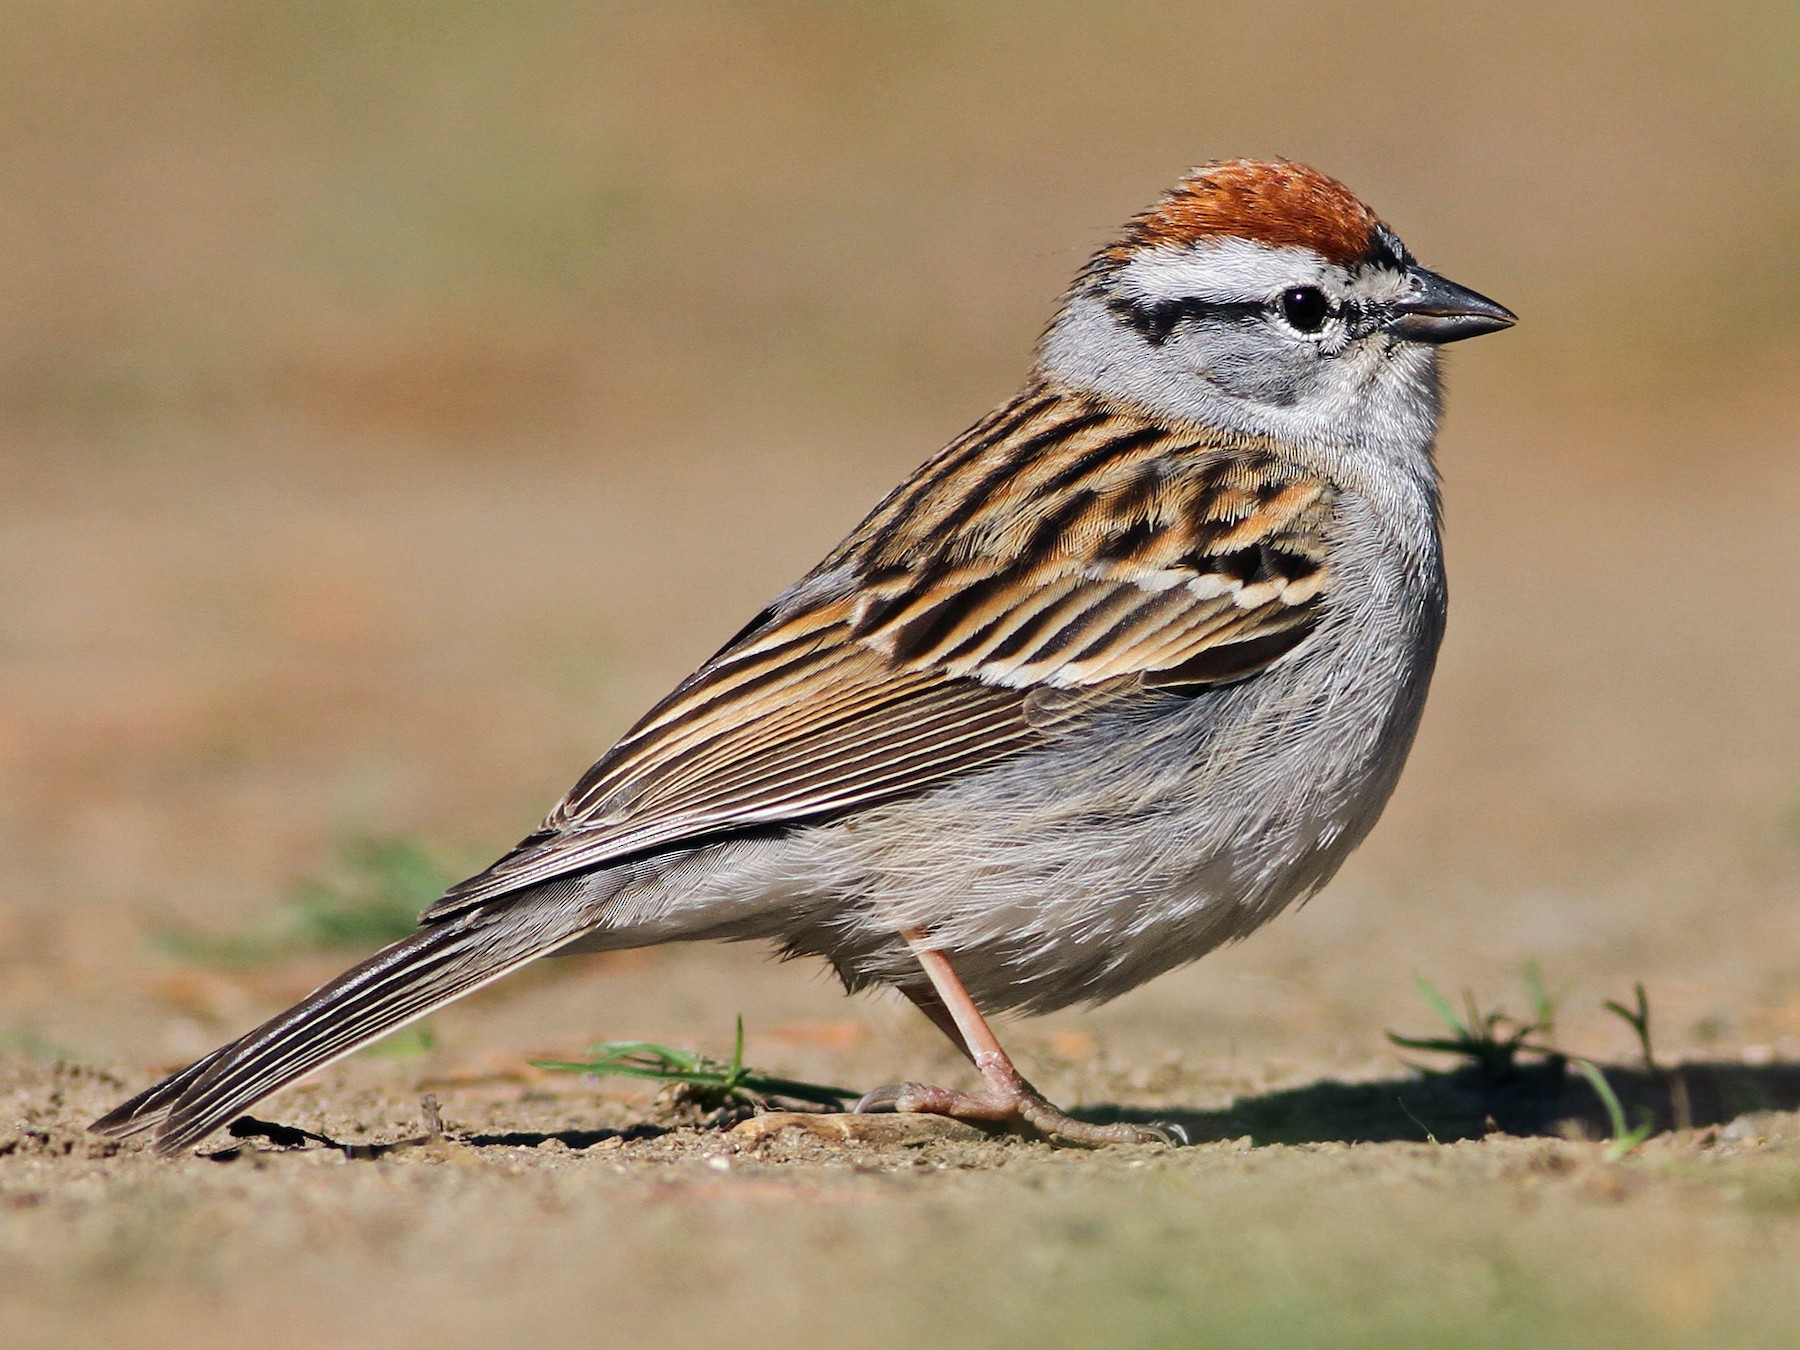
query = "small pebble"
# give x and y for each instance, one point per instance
(1755, 1127)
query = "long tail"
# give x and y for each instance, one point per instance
(399, 984)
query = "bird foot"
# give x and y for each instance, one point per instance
(1017, 1104)
(1006, 1098)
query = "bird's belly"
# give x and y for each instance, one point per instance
(1078, 872)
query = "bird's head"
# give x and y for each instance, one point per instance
(1261, 296)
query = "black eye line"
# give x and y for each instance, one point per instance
(1155, 322)
(1361, 319)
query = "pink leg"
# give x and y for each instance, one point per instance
(1006, 1096)
(925, 999)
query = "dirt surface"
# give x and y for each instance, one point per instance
(544, 1217)
(396, 400)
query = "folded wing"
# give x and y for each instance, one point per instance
(950, 630)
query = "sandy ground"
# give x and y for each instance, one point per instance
(549, 1217)
(236, 660)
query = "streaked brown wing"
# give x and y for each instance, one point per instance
(1118, 547)
(782, 729)
(1117, 555)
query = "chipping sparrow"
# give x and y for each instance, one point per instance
(1125, 669)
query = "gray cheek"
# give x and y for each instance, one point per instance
(1254, 364)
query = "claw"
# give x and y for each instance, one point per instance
(879, 1099)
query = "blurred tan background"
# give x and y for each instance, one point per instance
(394, 399)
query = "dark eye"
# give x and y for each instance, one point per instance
(1306, 308)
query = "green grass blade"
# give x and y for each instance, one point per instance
(725, 1082)
(1543, 1002)
(1624, 1139)
(1441, 1006)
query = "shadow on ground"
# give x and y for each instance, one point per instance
(1542, 1099)
(1537, 1099)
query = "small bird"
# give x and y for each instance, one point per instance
(1117, 675)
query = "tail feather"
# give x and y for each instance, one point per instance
(150, 1107)
(399, 984)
